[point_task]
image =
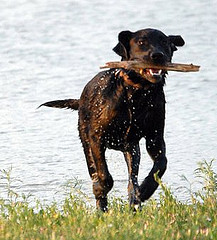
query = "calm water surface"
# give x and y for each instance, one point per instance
(50, 49)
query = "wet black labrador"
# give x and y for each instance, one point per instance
(118, 107)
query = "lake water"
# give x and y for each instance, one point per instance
(50, 49)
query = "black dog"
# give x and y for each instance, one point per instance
(118, 107)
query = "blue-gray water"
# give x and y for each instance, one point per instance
(50, 49)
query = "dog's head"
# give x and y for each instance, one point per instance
(148, 45)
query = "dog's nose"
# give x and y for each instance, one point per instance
(157, 56)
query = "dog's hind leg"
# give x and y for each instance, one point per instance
(156, 150)
(98, 170)
(132, 157)
(102, 179)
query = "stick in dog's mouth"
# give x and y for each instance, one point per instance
(151, 69)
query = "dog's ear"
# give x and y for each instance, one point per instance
(123, 47)
(176, 41)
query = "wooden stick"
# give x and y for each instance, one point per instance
(137, 65)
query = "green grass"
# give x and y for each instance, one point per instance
(166, 218)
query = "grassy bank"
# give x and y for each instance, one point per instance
(166, 218)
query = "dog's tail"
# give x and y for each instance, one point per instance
(67, 103)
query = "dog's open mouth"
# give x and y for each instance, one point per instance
(152, 75)
(153, 72)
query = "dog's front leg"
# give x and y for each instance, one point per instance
(156, 149)
(132, 157)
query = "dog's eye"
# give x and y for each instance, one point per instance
(142, 42)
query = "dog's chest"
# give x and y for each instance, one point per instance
(134, 118)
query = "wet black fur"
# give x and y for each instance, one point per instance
(119, 107)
